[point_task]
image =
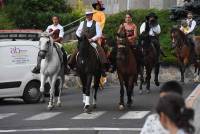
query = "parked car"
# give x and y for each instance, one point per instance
(18, 52)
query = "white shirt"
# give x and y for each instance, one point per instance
(152, 125)
(152, 31)
(54, 27)
(193, 25)
(89, 24)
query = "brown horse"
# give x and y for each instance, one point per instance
(126, 69)
(148, 52)
(197, 51)
(183, 50)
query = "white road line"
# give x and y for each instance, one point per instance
(134, 115)
(5, 115)
(70, 129)
(93, 115)
(43, 116)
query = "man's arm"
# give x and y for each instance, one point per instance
(103, 20)
(192, 26)
(79, 30)
(142, 28)
(156, 29)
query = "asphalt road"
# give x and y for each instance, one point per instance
(17, 117)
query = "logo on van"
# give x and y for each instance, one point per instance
(15, 50)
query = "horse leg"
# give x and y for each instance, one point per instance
(141, 79)
(52, 81)
(121, 103)
(43, 80)
(60, 92)
(87, 98)
(129, 91)
(83, 81)
(148, 78)
(156, 72)
(182, 72)
(96, 86)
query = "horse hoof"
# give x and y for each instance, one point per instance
(94, 106)
(49, 108)
(148, 91)
(140, 92)
(42, 100)
(58, 104)
(121, 107)
(129, 105)
(87, 109)
(157, 83)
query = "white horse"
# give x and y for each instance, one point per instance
(52, 68)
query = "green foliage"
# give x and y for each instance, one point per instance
(37, 13)
(5, 22)
(70, 46)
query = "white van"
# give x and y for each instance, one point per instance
(18, 56)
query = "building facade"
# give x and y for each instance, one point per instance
(114, 6)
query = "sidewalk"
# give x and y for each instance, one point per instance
(196, 106)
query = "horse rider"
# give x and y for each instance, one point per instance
(56, 31)
(130, 30)
(92, 29)
(152, 29)
(191, 25)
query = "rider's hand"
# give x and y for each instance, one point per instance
(90, 40)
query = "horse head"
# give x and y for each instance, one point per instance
(121, 37)
(178, 38)
(84, 47)
(45, 43)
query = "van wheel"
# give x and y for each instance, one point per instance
(32, 92)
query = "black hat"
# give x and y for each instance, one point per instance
(97, 3)
(151, 15)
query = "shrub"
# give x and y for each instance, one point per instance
(37, 13)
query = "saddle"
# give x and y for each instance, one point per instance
(58, 49)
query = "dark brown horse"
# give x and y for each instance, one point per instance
(126, 69)
(148, 53)
(183, 50)
(88, 66)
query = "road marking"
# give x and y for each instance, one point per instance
(5, 115)
(134, 115)
(43, 116)
(93, 115)
(70, 129)
(193, 96)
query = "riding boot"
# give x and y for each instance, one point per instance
(66, 68)
(36, 69)
(72, 59)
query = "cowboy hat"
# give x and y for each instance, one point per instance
(100, 5)
(88, 11)
(151, 15)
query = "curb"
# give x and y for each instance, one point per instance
(190, 100)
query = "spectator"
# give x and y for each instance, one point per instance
(174, 115)
(152, 124)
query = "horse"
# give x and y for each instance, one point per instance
(147, 51)
(126, 69)
(196, 40)
(183, 50)
(51, 68)
(88, 66)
